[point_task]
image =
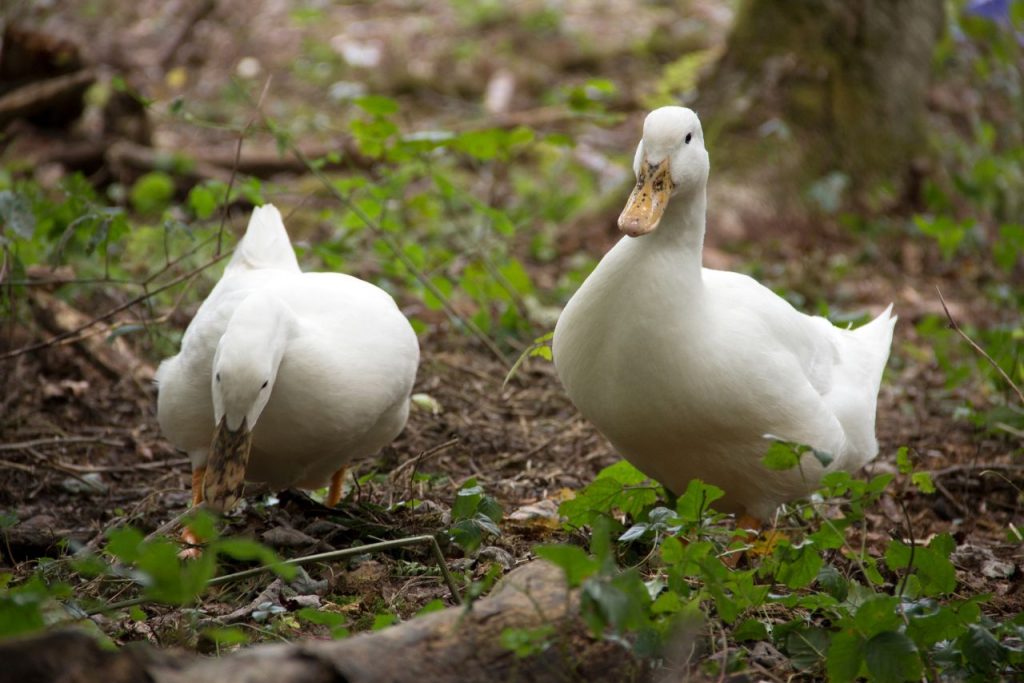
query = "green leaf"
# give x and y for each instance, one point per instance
(751, 629)
(620, 602)
(332, 620)
(16, 214)
(226, 636)
(202, 201)
(467, 500)
(923, 482)
(807, 647)
(780, 456)
(799, 566)
(877, 614)
(152, 192)
(525, 642)
(981, 649)
(573, 560)
(903, 460)
(832, 582)
(617, 487)
(667, 603)
(845, 656)
(124, 543)
(931, 563)
(435, 605)
(377, 105)
(892, 657)
(693, 505)
(382, 621)
(246, 549)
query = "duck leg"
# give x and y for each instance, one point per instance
(334, 493)
(187, 535)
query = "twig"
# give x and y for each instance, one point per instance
(963, 467)
(58, 441)
(155, 465)
(234, 167)
(941, 488)
(415, 461)
(198, 13)
(111, 313)
(913, 544)
(974, 345)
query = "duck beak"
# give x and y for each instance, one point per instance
(225, 469)
(648, 201)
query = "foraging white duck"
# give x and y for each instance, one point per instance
(686, 369)
(285, 377)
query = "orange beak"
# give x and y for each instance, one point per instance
(225, 468)
(647, 203)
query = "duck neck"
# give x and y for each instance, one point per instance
(259, 330)
(681, 234)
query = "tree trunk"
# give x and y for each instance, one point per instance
(454, 645)
(811, 87)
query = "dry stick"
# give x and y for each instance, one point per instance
(391, 244)
(155, 465)
(435, 549)
(910, 560)
(974, 345)
(111, 313)
(57, 441)
(234, 167)
(417, 459)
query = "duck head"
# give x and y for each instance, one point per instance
(244, 371)
(670, 160)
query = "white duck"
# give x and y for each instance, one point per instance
(686, 369)
(285, 377)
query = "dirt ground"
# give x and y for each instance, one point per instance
(80, 449)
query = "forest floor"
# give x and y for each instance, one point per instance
(81, 451)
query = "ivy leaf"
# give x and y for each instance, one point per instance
(892, 658)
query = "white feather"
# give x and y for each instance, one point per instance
(685, 369)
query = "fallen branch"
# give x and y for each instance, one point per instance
(453, 645)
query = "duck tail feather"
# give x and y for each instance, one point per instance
(265, 244)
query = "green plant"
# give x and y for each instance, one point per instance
(475, 516)
(840, 609)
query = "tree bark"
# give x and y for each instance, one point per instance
(809, 87)
(454, 645)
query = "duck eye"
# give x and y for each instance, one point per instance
(265, 383)
(688, 136)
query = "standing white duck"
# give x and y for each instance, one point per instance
(686, 369)
(285, 377)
